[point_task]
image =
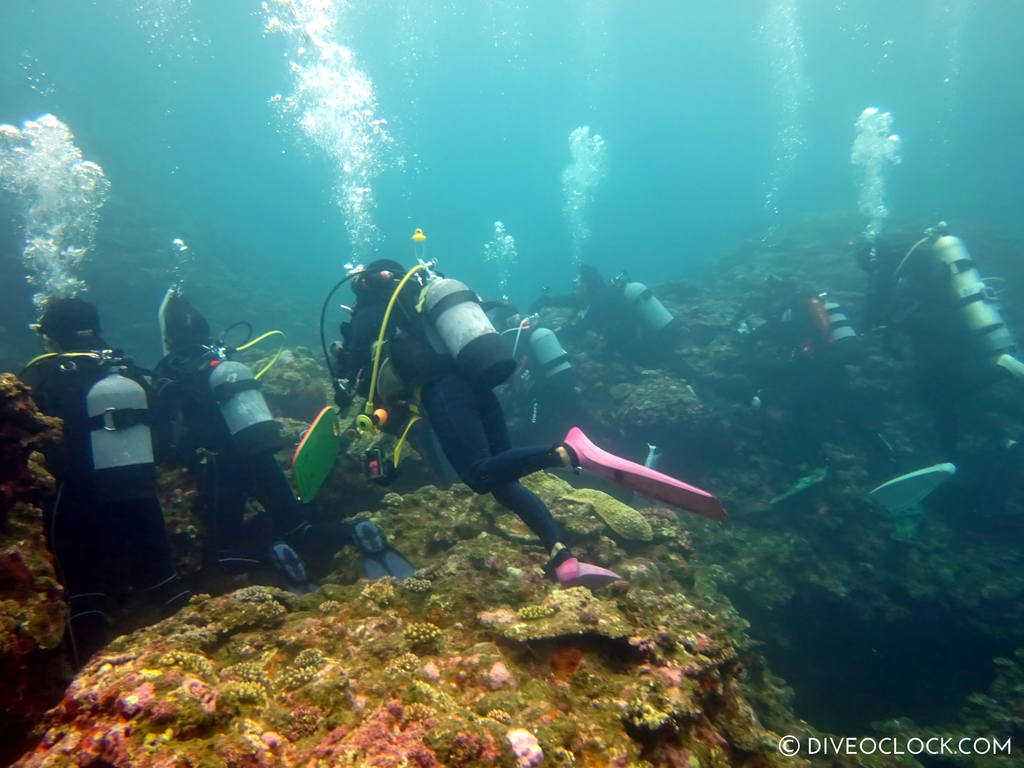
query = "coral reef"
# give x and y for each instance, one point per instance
(32, 607)
(378, 675)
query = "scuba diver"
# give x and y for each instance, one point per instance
(625, 313)
(960, 346)
(799, 359)
(454, 389)
(542, 388)
(106, 508)
(227, 437)
(959, 341)
(420, 339)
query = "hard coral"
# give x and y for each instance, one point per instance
(621, 518)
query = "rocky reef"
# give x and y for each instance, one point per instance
(807, 556)
(32, 607)
(480, 660)
(861, 621)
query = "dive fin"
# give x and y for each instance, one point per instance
(637, 477)
(380, 559)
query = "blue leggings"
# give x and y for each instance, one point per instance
(470, 426)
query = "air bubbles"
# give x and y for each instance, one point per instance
(588, 167)
(501, 251)
(874, 147)
(334, 107)
(60, 196)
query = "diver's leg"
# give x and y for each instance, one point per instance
(471, 429)
(224, 493)
(144, 544)
(79, 542)
(531, 510)
(271, 488)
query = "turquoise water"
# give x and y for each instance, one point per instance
(721, 121)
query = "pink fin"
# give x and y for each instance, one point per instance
(637, 477)
(573, 573)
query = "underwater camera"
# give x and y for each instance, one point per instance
(377, 468)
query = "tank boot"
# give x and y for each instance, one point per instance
(286, 561)
(569, 571)
(171, 595)
(88, 626)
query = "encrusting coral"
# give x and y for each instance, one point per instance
(495, 665)
(32, 607)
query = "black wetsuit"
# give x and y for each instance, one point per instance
(230, 471)
(467, 419)
(94, 524)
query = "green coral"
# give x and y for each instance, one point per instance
(417, 712)
(296, 677)
(621, 518)
(534, 612)
(237, 695)
(329, 607)
(195, 663)
(311, 657)
(381, 592)
(404, 664)
(417, 585)
(421, 633)
(500, 716)
(247, 672)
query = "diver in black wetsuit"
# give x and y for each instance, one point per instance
(465, 416)
(228, 438)
(541, 390)
(625, 313)
(106, 508)
(933, 292)
(799, 363)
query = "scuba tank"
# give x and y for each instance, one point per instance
(974, 301)
(547, 354)
(119, 432)
(840, 329)
(456, 324)
(236, 392)
(649, 311)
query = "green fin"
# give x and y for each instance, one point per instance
(316, 453)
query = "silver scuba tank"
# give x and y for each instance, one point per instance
(840, 327)
(974, 300)
(457, 324)
(645, 305)
(547, 354)
(119, 437)
(238, 396)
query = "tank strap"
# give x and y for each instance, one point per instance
(563, 358)
(229, 389)
(114, 419)
(449, 301)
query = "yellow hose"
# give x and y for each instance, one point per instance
(368, 408)
(36, 359)
(257, 340)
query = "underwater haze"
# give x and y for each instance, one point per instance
(281, 141)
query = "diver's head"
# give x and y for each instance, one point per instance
(377, 279)
(184, 328)
(589, 281)
(69, 324)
